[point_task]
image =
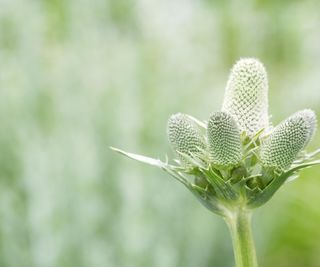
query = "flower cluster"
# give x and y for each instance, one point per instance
(236, 158)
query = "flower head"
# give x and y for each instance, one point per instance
(246, 95)
(282, 147)
(224, 140)
(184, 136)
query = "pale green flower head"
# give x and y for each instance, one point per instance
(246, 96)
(287, 140)
(184, 136)
(224, 140)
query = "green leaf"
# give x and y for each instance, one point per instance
(253, 140)
(259, 199)
(211, 203)
(200, 123)
(174, 171)
(307, 156)
(144, 159)
(304, 166)
(222, 187)
(192, 159)
(201, 194)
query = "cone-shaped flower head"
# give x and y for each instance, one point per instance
(185, 135)
(291, 136)
(224, 140)
(246, 96)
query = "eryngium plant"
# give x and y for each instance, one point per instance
(236, 161)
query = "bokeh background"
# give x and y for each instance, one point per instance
(77, 76)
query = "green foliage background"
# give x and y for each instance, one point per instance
(77, 76)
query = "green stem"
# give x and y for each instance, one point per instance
(239, 223)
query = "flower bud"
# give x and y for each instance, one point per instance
(184, 135)
(285, 142)
(224, 140)
(246, 96)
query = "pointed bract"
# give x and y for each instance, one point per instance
(291, 136)
(246, 96)
(224, 140)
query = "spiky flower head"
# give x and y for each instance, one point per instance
(224, 140)
(184, 135)
(283, 145)
(246, 96)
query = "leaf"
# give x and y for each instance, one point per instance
(250, 151)
(222, 187)
(200, 193)
(209, 202)
(307, 156)
(292, 178)
(198, 122)
(178, 176)
(313, 154)
(192, 159)
(251, 192)
(144, 159)
(254, 139)
(267, 193)
(174, 171)
(301, 166)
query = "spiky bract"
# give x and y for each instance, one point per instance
(283, 145)
(246, 96)
(185, 136)
(224, 140)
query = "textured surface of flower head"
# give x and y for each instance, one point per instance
(281, 148)
(184, 135)
(312, 120)
(246, 96)
(224, 140)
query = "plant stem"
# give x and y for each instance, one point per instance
(239, 223)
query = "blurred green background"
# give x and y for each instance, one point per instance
(77, 76)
